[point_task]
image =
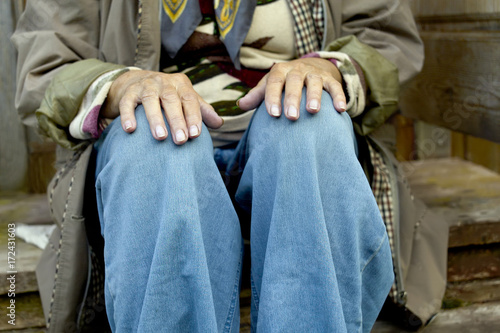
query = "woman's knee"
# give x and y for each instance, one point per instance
(328, 127)
(140, 146)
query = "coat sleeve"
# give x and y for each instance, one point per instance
(382, 37)
(53, 37)
(387, 26)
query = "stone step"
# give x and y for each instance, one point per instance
(467, 196)
(469, 292)
(20, 258)
(483, 317)
(474, 262)
(22, 291)
(24, 313)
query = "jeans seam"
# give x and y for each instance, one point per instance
(255, 296)
(230, 315)
(374, 254)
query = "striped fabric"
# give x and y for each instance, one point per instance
(88, 123)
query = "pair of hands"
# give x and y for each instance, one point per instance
(185, 109)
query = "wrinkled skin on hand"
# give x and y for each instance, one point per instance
(185, 109)
(315, 74)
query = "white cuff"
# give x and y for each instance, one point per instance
(87, 123)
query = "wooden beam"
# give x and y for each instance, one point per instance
(459, 86)
(13, 148)
(427, 8)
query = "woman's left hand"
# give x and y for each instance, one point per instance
(316, 74)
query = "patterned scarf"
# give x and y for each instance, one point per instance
(181, 17)
(234, 17)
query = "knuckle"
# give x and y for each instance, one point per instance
(280, 66)
(170, 96)
(123, 104)
(295, 76)
(273, 79)
(180, 77)
(176, 120)
(193, 117)
(334, 85)
(189, 96)
(313, 77)
(301, 66)
(148, 82)
(157, 78)
(149, 94)
(291, 98)
(131, 92)
(154, 117)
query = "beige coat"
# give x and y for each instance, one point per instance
(57, 40)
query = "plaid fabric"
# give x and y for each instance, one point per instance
(309, 24)
(381, 187)
(319, 20)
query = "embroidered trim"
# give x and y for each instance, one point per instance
(174, 8)
(228, 14)
(73, 158)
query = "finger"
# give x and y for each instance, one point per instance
(172, 106)
(274, 89)
(151, 101)
(293, 94)
(254, 97)
(335, 90)
(314, 84)
(126, 107)
(193, 119)
(209, 116)
(182, 108)
(178, 120)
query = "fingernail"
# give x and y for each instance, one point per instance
(193, 130)
(127, 125)
(180, 136)
(160, 132)
(342, 105)
(314, 105)
(292, 111)
(238, 102)
(275, 110)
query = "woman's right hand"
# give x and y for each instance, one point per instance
(184, 108)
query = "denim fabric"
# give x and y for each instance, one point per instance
(173, 248)
(172, 238)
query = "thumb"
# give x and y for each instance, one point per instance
(209, 116)
(254, 97)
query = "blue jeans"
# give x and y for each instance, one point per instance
(173, 248)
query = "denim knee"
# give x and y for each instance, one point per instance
(140, 150)
(310, 133)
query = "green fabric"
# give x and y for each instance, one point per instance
(382, 82)
(64, 96)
